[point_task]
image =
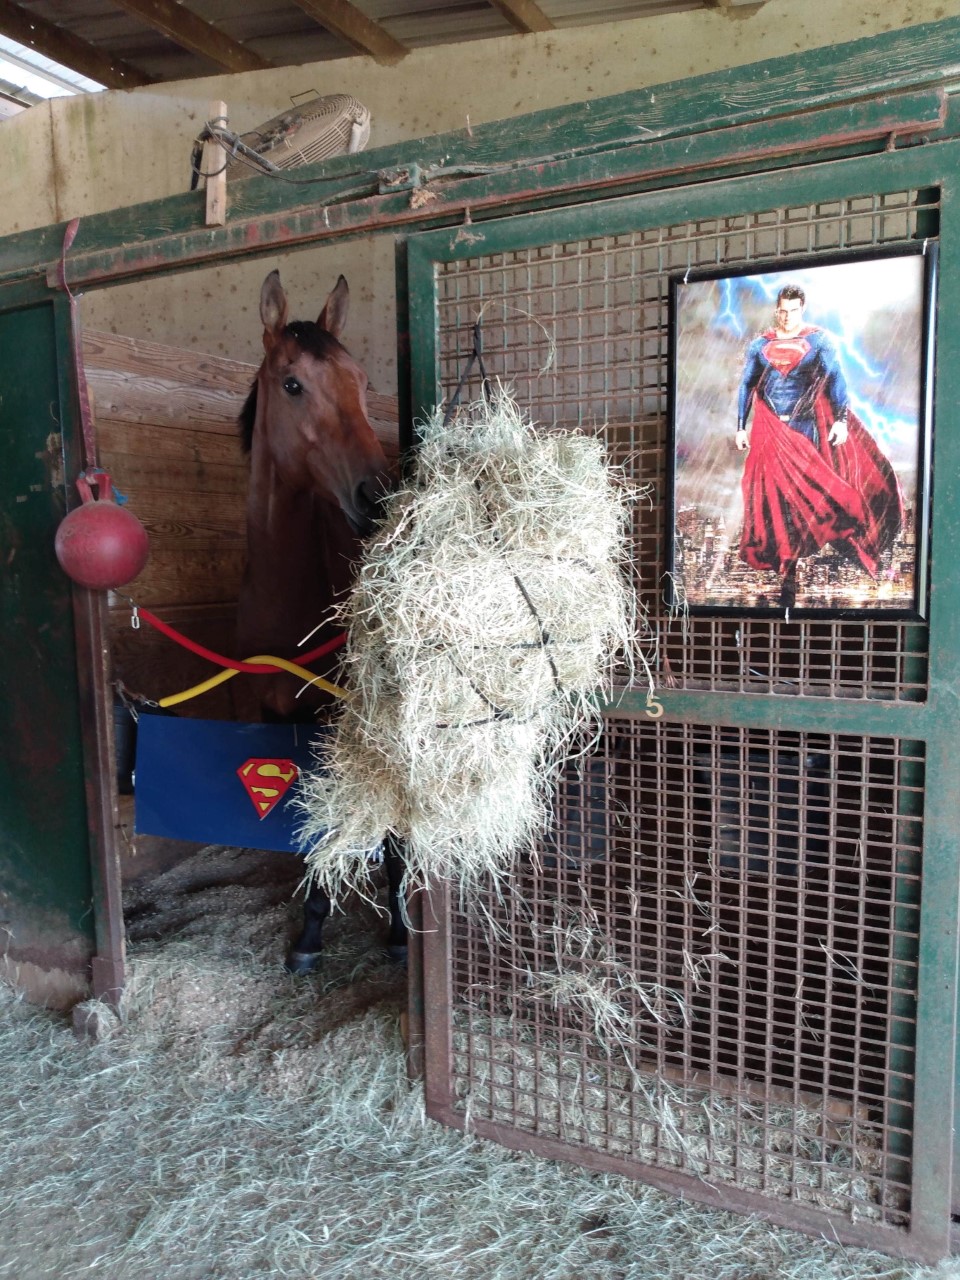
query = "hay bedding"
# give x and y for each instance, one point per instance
(543, 1083)
(242, 1125)
(488, 613)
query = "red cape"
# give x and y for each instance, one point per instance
(798, 497)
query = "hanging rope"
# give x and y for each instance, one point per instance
(261, 664)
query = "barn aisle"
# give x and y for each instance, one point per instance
(244, 1124)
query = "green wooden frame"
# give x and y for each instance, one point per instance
(855, 98)
(864, 107)
(935, 722)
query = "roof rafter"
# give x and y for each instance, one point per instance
(183, 26)
(69, 50)
(352, 25)
(525, 15)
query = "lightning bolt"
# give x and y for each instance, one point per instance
(727, 316)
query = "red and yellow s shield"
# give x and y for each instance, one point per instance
(266, 782)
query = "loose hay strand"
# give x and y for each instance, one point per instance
(238, 1138)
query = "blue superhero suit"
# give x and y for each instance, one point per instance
(790, 373)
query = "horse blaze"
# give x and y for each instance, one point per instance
(267, 781)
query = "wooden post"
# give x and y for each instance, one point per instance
(215, 164)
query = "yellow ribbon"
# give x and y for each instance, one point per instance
(263, 660)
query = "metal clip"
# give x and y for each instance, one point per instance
(135, 618)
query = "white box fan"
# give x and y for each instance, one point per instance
(334, 125)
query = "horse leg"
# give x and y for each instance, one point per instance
(305, 954)
(394, 863)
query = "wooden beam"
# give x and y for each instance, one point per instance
(733, 4)
(69, 50)
(525, 15)
(183, 26)
(360, 32)
(215, 167)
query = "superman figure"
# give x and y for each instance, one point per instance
(813, 473)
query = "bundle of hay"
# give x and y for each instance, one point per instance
(488, 612)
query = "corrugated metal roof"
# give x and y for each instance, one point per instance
(126, 42)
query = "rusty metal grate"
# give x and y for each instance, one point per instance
(580, 331)
(708, 976)
(710, 971)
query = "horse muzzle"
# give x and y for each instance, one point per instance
(369, 503)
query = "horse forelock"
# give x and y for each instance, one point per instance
(315, 341)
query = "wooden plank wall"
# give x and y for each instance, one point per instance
(166, 422)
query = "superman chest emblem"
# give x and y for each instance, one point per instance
(785, 353)
(266, 782)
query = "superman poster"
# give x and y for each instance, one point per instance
(800, 436)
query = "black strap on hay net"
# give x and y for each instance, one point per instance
(499, 714)
(476, 358)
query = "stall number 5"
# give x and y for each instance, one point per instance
(654, 707)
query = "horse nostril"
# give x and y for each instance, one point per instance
(370, 497)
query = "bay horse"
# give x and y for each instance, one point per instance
(318, 477)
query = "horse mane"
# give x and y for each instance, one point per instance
(310, 338)
(248, 416)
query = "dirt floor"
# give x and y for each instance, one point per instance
(241, 1124)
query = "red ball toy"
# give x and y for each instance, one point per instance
(100, 545)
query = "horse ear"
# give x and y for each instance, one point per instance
(333, 317)
(273, 309)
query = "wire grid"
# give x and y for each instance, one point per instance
(711, 967)
(580, 332)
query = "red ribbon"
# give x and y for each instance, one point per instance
(254, 668)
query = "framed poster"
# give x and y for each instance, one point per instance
(800, 420)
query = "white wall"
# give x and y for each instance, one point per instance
(78, 156)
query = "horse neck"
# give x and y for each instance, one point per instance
(301, 555)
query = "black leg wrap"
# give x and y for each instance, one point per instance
(306, 953)
(394, 863)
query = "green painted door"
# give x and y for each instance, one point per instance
(821, 982)
(46, 917)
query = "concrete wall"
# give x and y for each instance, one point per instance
(79, 156)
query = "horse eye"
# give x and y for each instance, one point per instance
(292, 387)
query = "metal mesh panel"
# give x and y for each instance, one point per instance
(711, 969)
(580, 331)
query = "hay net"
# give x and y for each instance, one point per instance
(490, 609)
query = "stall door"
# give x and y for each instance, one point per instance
(60, 918)
(758, 867)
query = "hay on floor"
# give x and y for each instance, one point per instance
(508, 1071)
(244, 1125)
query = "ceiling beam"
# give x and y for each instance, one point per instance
(360, 32)
(525, 15)
(184, 28)
(69, 50)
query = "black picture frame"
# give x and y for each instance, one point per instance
(825, 513)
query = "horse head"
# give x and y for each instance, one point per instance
(307, 408)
